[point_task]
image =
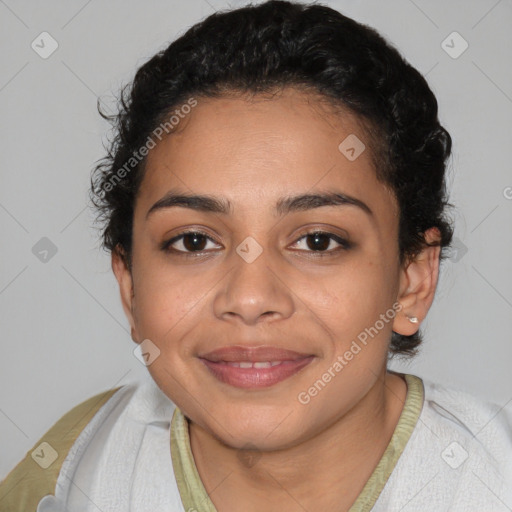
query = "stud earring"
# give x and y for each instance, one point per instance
(413, 319)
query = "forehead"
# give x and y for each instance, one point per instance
(253, 151)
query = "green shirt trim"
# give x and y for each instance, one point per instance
(194, 496)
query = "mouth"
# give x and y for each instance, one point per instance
(258, 367)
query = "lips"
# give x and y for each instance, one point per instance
(257, 354)
(257, 367)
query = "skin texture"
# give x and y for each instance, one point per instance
(252, 152)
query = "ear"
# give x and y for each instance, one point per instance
(125, 281)
(418, 282)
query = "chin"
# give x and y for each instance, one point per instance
(258, 441)
(262, 430)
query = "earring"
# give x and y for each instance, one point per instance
(413, 319)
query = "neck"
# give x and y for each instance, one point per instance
(326, 472)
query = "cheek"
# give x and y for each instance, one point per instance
(350, 306)
(164, 305)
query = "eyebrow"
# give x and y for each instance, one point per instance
(303, 202)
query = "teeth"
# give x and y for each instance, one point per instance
(256, 364)
(262, 364)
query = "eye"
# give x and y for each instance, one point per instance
(321, 242)
(188, 242)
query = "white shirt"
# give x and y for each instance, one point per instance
(458, 458)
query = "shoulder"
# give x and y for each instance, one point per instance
(36, 474)
(473, 440)
(484, 422)
(458, 457)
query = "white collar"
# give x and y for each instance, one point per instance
(121, 460)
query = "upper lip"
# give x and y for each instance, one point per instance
(255, 354)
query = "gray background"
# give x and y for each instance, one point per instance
(63, 332)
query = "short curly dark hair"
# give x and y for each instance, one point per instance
(264, 48)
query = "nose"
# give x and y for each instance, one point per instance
(253, 291)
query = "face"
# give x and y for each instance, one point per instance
(297, 275)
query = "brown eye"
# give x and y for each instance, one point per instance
(188, 242)
(318, 242)
(194, 242)
(322, 242)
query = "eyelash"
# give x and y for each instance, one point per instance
(344, 244)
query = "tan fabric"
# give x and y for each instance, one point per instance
(22, 489)
(194, 495)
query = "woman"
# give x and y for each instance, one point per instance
(274, 203)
